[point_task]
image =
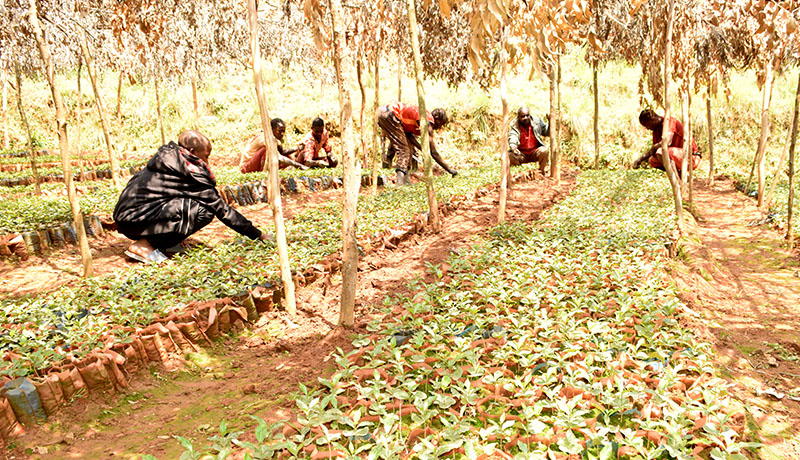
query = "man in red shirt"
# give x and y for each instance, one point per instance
(400, 123)
(525, 140)
(651, 121)
(313, 144)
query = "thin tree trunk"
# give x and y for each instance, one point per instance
(364, 155)
(504, 160)
(776, 177)
(5, 112)
(433, 206)
(399, 76)
(158, 108)
(790, 210)
(271, 163)
(552, 118)
(98, 99)
(555, 166)
(376, 159)
(690, 140)
(343, 64)
(195, 104)
(710, 140)
(758, 159)
(79, 119)
(672, 174)
(596, 117)
(31, 149)
(686, 148)
(119, 94)
(63, 141)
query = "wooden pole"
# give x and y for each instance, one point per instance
(690, 142)
(271, 163)
(5, 112)
(672, 174)
(776, 177)
(596, 116)
(119, 94)
(343, 64)
(433, 206)
(686, 148)
(505, 165)
(399, 76)
(363, 132)
(98, 99)
(158, 108)
(790, 210)
(63, 141)
(31, 149)
(376, 159)
(758, 159)
(195, 103)
(555, 166)
(710, 140)
(79, 119)
(552, 118)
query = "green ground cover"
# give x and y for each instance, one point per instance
(552, 339)
(42, 328)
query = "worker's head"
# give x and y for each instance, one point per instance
(278, 128)
(649, 119)
(439, 118)
(524, 116)
(317, 128)
(196, 143)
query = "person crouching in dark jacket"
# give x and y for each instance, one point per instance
(172, 198)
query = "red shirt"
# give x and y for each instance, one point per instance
(677, 135)
(409, 116)
(527, 140)
(311, 148)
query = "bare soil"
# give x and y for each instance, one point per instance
(257, 371)
(744, 284)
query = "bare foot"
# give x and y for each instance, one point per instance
(141, 247)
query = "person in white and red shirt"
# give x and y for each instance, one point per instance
(313, 145)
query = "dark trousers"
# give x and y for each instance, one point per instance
(180, 218)
(399, 146)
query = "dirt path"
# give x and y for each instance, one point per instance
(745, 286)
(58, 267)
(257, 372)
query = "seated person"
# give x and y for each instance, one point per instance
(526, 140)
(399, 123)
(174, 196)
(651, 121)
(255, 153)
(313, 144)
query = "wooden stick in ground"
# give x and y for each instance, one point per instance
(596, 115)
(362, 130)
(98, 99)
(343, 64)
(119, 94)
(686, 145)
(555, 166)
(376, 159)
(710, 139)
(672, 174)
(195, 103)
(399, 76)
(271, 163)
(552, 152)
(782, 161)
(158, 107)
(690, 143)
(433, 206)
(5, 112)
(504, 159)
(31, 149)
(78, 121)
(758, 158)
(63, 141)
(790, 210)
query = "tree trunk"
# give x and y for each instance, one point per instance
(790, 210)
(710, 140)
(690, 141)
(776, 177)
(433, 206)
(555, 166)
(31, 149)
(672, 174)
(552, 153)
(271, 163)
(596, 117)
(364, 155)
(343, 64)
(119, 94)
(686, 148)
(766, 98)
(63, 141)
(98, 99)
(5, 112)
(504, 159)
(376, 159)
(79, 119)
(195, 104)
(158, 108)
(399, 76)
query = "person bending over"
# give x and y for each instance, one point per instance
(173, 197)
(255, 152)
(655, 123)
(313, 144)
(526, 140)
(399, 123)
